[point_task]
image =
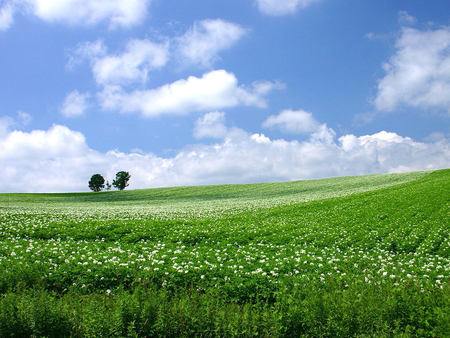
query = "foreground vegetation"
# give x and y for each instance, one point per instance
(345, 257)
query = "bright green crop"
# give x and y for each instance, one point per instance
(246, 243)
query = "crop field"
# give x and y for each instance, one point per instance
(365, 256)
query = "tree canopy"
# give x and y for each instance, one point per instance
(97, 182)
(121, 181)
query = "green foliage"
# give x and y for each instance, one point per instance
(97, 182)
(311, 310)
(344, 257)
(121, 181)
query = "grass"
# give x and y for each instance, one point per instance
(364, 256)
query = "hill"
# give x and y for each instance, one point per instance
(351, 256)
(285, 192)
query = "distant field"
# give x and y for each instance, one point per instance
(365, 256)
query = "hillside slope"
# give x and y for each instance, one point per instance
(278, 193)
(361, 256)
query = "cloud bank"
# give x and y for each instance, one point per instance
(122, 75)
(59, 159)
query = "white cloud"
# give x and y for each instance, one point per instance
(211, 125)
(389, 152)
(43, 160)
(290, 121)
(90, 51)
(217, 89)
(418, 75)
(405, 19)
(362, 119)
(119, 74)
(199, 46)
(132, 65)
(123, 13)
(283, 7)
(6, 16)
(75, 104)
(202, 43)
(139, 58)
(57, 142)
(5, 124)
(323, 135)
(435, 137)
(59, 159)
(264, 87)
(24, 118)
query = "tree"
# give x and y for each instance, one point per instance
(97, 182)
(121, 181)
(108, 186)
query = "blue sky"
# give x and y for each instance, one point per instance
(213, 92)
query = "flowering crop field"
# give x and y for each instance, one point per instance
(271, 246)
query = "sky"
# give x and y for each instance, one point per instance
(215, 92)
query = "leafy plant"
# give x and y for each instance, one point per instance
(97, 182)
(121, 181)
(344, 257)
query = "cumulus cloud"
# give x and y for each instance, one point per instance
(120, 74)
(123, 13)
(139, 58)
(211, 125)
(202, 43)
(282, 7)
(199, 46)
(290, 121)
(131, 65)
(418, 74)
(217, 89)
(59, 159)
(52, 160)
(75, 104)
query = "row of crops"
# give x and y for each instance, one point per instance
(377, 241)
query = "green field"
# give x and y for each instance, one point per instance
(365, 256)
